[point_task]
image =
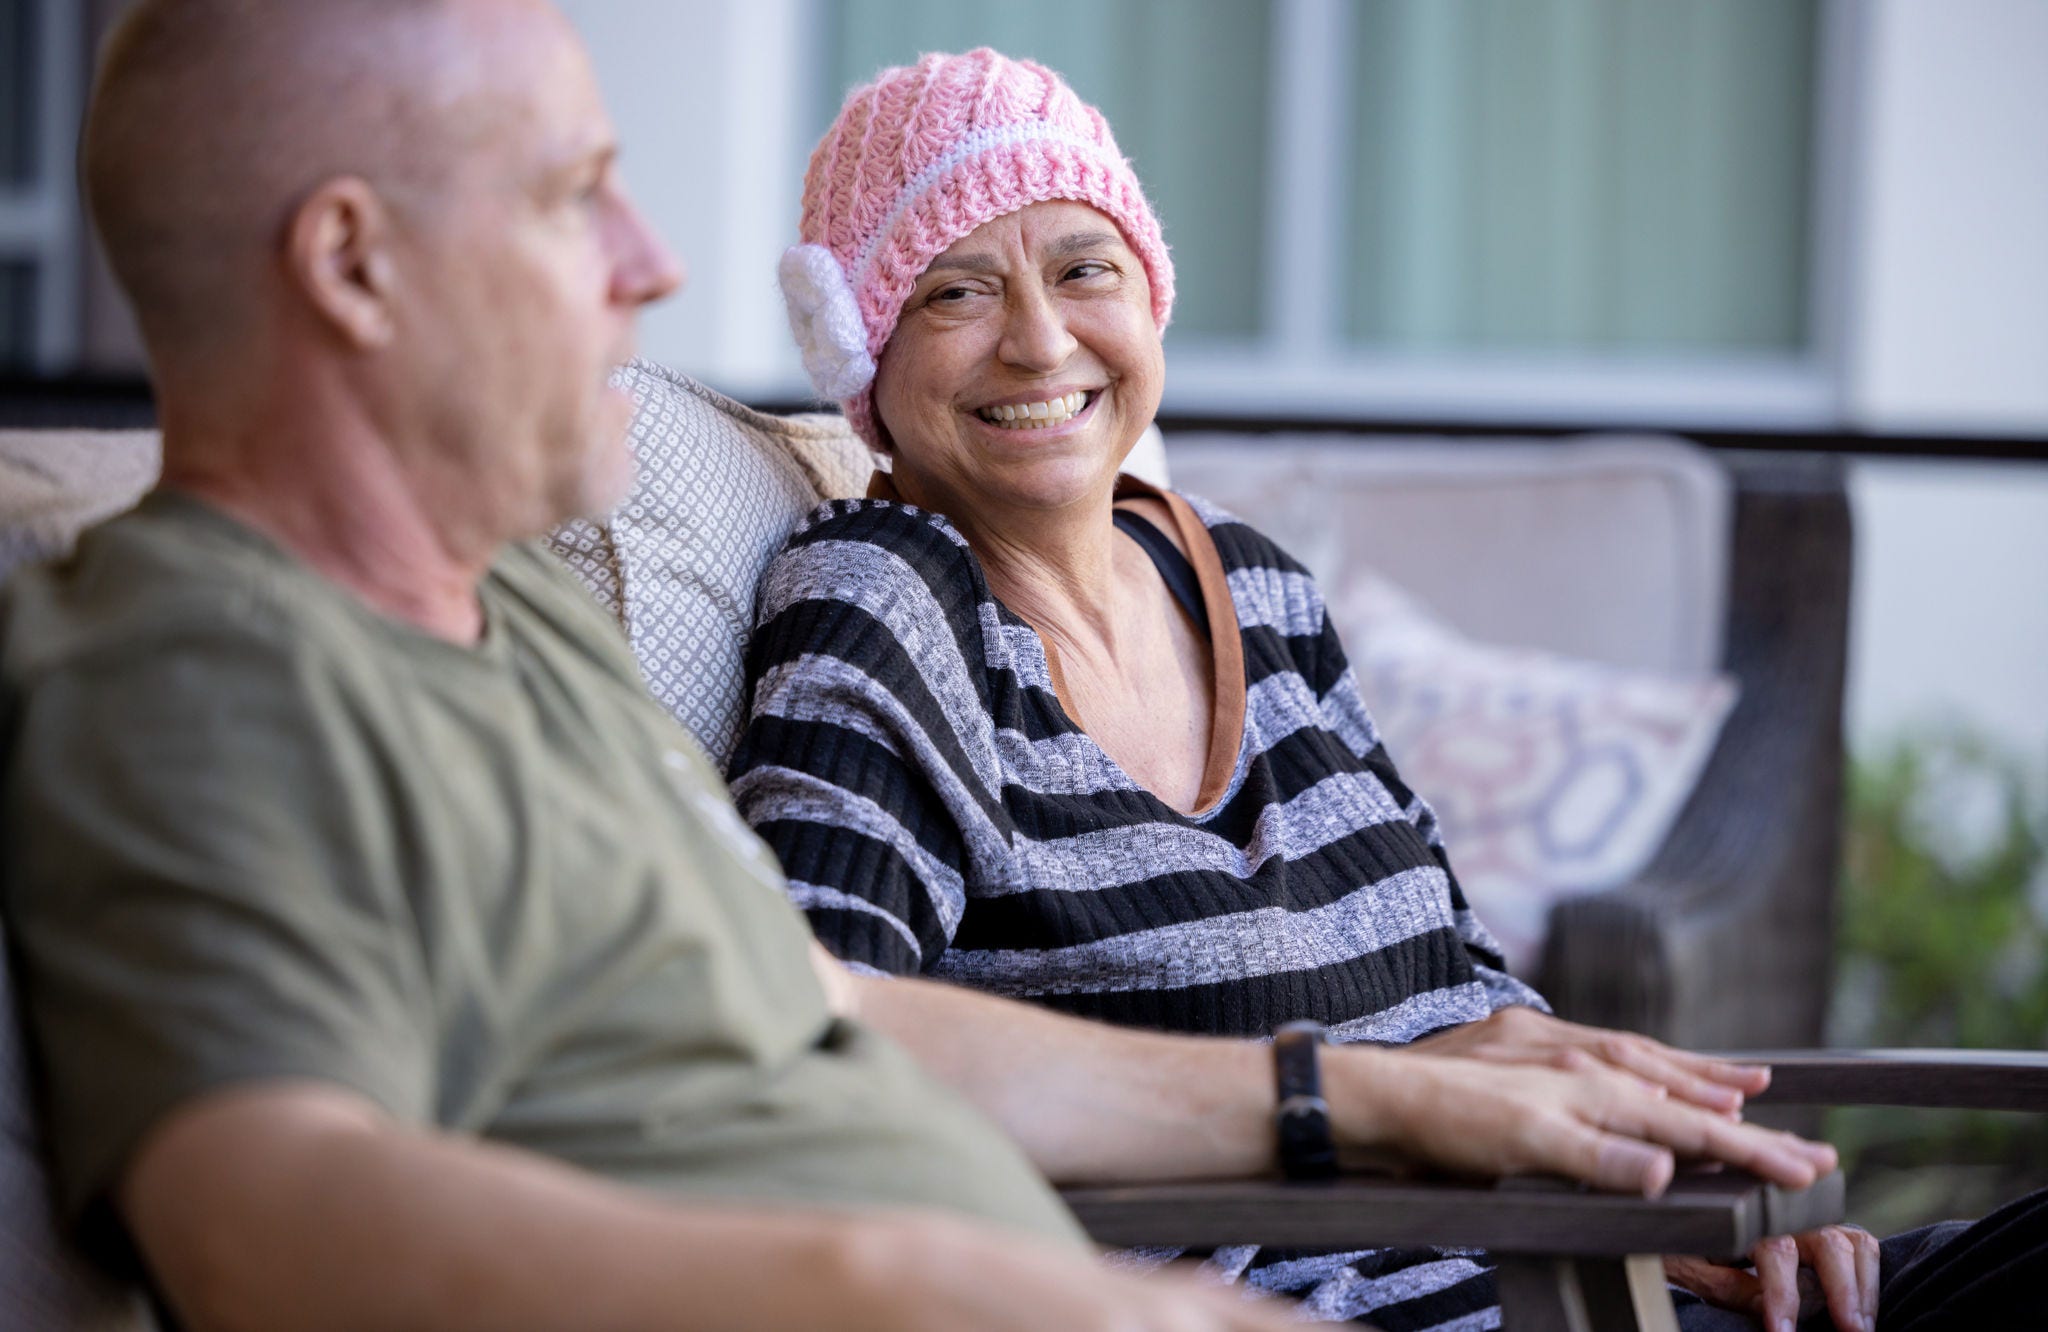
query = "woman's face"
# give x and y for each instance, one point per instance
(1023, 369)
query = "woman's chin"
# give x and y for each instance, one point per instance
(1050, 486)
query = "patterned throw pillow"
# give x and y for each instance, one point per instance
(719, 488)
(1551, 776)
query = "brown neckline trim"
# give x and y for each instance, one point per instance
(1226, 643)
(1226, 639)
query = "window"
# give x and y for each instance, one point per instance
(40, 79)
(1183, 84)
(1448, 207)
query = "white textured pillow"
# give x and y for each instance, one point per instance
(719, 488)
(1551, 776)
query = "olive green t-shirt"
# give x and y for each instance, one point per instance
(255, 830)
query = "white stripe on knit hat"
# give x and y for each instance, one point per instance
(972, 146)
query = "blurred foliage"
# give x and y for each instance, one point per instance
(1942, 941)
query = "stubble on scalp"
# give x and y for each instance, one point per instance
(212, 120)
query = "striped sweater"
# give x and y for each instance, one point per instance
(937, 810)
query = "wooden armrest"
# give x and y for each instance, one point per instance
(1946, 1079)
(1716, 1214)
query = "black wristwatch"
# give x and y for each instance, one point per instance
(1302, 1118)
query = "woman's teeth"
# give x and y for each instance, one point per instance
(1035, 415)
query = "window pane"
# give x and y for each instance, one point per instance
(1565, 175)
(17, 92)
(1182, 82)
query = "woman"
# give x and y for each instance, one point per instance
(1026, 724)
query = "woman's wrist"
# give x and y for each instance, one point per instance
(1370, 1089)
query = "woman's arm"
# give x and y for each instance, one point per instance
(863, 764)
(1099, 1104)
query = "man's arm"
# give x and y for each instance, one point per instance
(1100, 1104)
(299, 1205)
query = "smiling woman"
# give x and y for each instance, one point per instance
(1025, 723)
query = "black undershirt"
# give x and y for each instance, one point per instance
(1172, 565)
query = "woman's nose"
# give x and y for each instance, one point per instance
(1035, 335)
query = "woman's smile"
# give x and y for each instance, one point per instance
(1036, 414)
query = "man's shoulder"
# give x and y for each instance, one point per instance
(167, 574)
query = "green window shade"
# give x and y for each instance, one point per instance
(1579, 175)
(1183, 84)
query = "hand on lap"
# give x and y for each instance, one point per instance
(1835, 1266)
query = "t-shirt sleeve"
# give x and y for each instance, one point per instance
(861, 764)
(199, 891)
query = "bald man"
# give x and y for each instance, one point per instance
(391, 959)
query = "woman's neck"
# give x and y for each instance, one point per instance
(1054, 567)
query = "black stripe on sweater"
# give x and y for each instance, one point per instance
(864, 643)
(1058, 918)
(1475, 1293)
(949, 571)
(860, 866)
(851, 761)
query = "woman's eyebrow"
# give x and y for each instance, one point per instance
(1067, 246)
(1077, 242)
(966, 263)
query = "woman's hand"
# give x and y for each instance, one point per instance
(1596, 1123)
(1842, 1260)
(1521, 1035)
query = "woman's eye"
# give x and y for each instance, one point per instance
(1087, 269)
(949, 295)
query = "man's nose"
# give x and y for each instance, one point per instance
(647, 269)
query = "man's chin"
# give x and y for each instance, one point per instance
(605, 483)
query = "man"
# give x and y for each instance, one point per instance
(391, 959)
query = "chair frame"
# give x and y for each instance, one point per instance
(1571, 1259)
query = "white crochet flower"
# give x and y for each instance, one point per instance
(826, 322)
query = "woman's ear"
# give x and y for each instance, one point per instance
(338, 257)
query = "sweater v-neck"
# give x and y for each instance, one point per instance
(1226, 643)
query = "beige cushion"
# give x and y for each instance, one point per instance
(1612, 548)
(55, 483)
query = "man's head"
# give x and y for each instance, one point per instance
(408, 203)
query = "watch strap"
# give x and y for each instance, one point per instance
(1302, 1117)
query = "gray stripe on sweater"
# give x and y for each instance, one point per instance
(1214, 949)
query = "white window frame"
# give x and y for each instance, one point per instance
(39, 221)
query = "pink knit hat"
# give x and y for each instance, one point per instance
(916, 160)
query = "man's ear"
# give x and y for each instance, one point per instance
(338, 255)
